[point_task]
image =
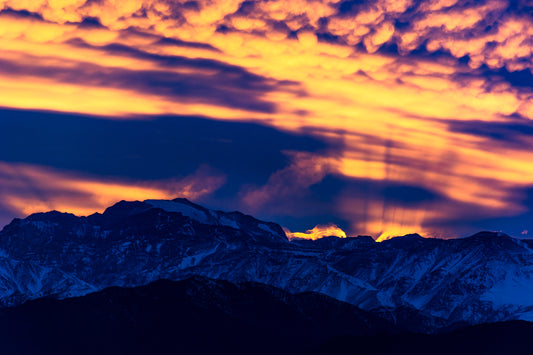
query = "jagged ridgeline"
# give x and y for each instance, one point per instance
(420, 284)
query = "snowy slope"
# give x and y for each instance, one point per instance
(484, 278)
(20, 281)
(235, 220)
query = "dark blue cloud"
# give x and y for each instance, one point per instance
(180, 43)
(320, 204)
(22, 13)
(519, 78)
(408, 195)
(383, 190)
(520, 7)
(516, 133)
(515, 225)
(349, 6)
(201, 80)
(172, 147)
(159, 148)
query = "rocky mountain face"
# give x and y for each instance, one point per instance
(419, 283)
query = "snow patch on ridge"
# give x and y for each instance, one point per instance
(513, 289)
(228, 222)
(195, 259)
(266, 228)
(203, 216)
(186, 210)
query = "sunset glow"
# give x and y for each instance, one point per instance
(423, 111)
(318, 232)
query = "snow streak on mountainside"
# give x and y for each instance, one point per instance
(483, 278)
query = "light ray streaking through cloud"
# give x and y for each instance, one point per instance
(30, 189)
(392, 87)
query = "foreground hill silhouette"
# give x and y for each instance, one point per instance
(513, 337)
(205, 316)
(197, 315)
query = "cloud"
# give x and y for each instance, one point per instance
(118, 70)
(157, 148)
(456, 26)
(26, 189)
(317, 232)
(294, 180)
(393, 87)
(382, 34)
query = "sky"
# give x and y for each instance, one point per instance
(381, 117)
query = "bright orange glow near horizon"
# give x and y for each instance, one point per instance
(84, 196)
(318, 232)
(399, 103)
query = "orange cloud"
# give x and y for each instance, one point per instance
(384, 220)
(383, 33)
(390, 114)
(317, 232)
(27, 189)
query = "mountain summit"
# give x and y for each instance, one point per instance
(425, 283)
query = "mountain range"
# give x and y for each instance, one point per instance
(418, 284)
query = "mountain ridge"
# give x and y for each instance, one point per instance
(440, 282)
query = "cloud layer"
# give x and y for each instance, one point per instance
(426, 95)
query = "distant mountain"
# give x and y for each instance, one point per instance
(194, 316)
(421, 284)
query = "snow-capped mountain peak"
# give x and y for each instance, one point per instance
(234, 220)
(476, 279)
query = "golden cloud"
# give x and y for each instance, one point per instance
(319, 231)
(391, 112)
(28, 189)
